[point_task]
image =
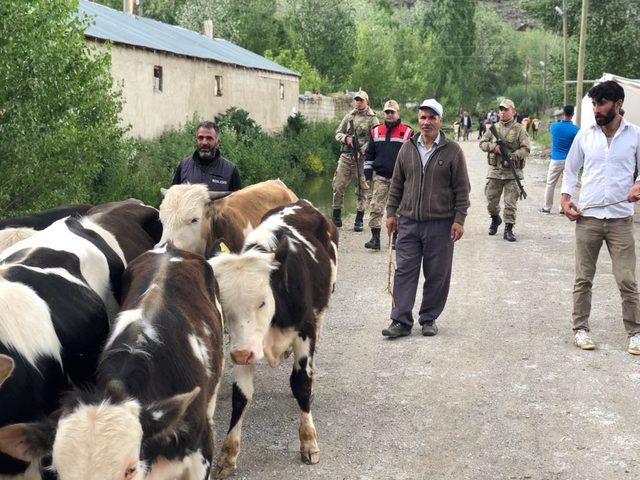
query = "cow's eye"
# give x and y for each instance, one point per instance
(194, 220)
(130, 473)
(262, 305)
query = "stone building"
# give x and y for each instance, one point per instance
(169, 74)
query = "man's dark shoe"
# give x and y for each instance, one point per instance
(396, 329)
(374, 243)
(357, 225)
(508, 233)
(337, 220)
(546, 211)
(495, 223)
(429, 329)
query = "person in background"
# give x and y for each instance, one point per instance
(379, 162)
(357, 122)
(562, 135)
(207, 165)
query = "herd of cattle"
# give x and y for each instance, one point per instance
(112, 320)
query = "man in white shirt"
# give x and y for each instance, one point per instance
(609, 153)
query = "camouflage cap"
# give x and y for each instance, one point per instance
(361, 94)
(506, 103)
(391, 105)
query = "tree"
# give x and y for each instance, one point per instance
(326, 31)
(252, 24)
(296, 60)
(450, 24)
(613, 35)
(60, 141)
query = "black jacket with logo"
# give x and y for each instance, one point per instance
(219, 174)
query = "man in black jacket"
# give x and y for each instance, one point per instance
(379, 161)
(207, 165)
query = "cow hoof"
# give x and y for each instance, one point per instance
(310, 458)
(225, 470)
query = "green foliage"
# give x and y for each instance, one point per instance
(451, 25)
(60, 141)
(613, 35)
(326, 31)
(252, 24)
(295, 124)
(238, 121)
(296, 60)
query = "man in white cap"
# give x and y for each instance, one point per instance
(357, 122)
(428, 203)
(379, 162)
(500, 177)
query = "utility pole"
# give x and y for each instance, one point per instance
(583, 39)
(565, 35)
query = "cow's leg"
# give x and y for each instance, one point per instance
(302, 387)
(240, 398)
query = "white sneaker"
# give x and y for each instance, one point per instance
(634, 344)
(583, 341)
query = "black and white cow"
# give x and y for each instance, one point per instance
(58, 291)
(41, 220)
(14, 229)
(274, 294)
(151, 414)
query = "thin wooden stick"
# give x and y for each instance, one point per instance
(390, 269)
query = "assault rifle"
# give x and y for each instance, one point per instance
(507, 160)
(356, 158)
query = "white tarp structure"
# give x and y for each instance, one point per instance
(631, 105)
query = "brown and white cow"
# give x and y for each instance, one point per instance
(273, 296)
(194, 218)
(150, 416)
(535, 127)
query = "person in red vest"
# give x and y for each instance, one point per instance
(379, 162)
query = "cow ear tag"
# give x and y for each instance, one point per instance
(224, 248)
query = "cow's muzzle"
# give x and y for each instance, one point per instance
(243, 357)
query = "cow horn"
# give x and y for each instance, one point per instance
(217, 195)
(6, 367)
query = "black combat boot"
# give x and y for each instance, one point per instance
(374, 243)
(495, 223)
(508, 232)
(357, 225)
(337, 220)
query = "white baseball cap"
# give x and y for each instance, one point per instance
(432, 104)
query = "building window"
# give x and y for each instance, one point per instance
(217, 88)
(157, 78)
(281, 91)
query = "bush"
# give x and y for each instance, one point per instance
(238, 120)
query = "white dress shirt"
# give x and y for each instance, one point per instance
(608, 169)
(425, 153)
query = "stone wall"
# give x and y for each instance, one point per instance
(317, 108)
(189, 88)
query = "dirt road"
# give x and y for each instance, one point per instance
(500, 393)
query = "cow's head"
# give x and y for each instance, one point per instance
(97, 440)
(182, 213)
(247, 298)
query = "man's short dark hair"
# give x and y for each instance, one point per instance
(609, 90)
(567, 110)
(209, 126)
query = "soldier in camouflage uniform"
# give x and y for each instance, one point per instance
(358, 121)
(500, 178)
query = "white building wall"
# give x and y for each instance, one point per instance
(189, 89)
